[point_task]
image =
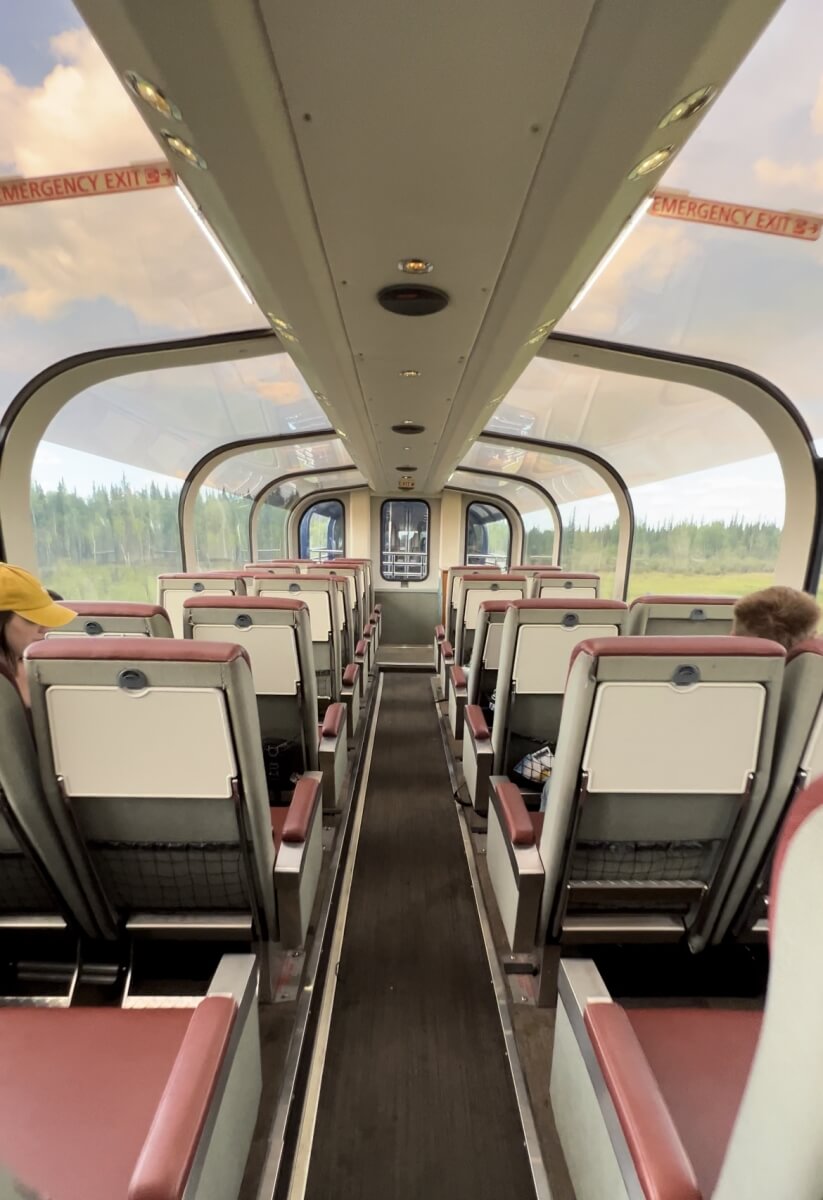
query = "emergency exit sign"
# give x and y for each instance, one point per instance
(75, 184)
(680, 206)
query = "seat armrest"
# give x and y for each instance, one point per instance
(351, 675)
(659, 1157)
(333, 720)
(360, 648)
(459, 677)
(440, 633)
(477, 723)
(162, 1170)
(514, 816)
(301, 810)
(447, 650)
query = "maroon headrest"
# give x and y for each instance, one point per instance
(245, 603)
(285, 577)
(490, 606)
(138, 649)
(810, 646)
(496, 577)
(680, 647)
(684, 600)
(279, 562)
(555, 572)
(195, 575)
(113, 608)
(572, 602)
(805, 805)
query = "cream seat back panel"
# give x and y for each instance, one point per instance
(654, 737)
(318, 604)
(812, 760)
(491, 650)
(549, 591)
(541, 661)
(476, 596)
(173, 599)
(154, 744)
(271, 650)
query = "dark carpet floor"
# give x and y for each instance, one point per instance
(417, 1100)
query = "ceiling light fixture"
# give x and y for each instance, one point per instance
(409, 374)
(408, 427)
(146, 91)
(216, 245)
(652, 162)
(541, 333)
(182, 147)
(694, 103)
(279, 324)
(340, 433)
(415, 266)
(624, 233)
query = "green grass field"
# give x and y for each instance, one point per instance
(77, 581)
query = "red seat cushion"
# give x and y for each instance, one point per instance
(701, 1060)
(78, 1091)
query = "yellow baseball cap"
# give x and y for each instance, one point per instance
(21, 593)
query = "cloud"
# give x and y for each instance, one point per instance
(143, 252)
(810, 174)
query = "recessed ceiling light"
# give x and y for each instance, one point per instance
(652, 162)
(695, 102)
(340, 433)
(408, 427)
(320, 396)
(415, 266)
(182, 147)
(279, 323)
(151, 95)
(409, 374)
(541, 333)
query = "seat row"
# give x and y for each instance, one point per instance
(145, 797)
(675, 761)
(704, 1103)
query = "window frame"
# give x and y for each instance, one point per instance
(306, 513)
(503, 514)
(405, 500)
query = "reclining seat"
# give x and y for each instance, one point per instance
(798, 761)
(177, 1087)
(174, 589)
(278, 566)
(115, 618)
(349, 605)
(537, 642)
(150, 754)
(661, 768)
(575, 585)
(704, 1103)
(681, 616)
(276, 635)
(39, 889)
(372, 614)
(446, 631)
(479, 682)
(473, 590)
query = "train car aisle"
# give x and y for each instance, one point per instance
(416, 1096)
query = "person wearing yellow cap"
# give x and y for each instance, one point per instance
(27, 612)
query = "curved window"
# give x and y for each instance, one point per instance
(488, 536)
(323, 531)
(404, 540)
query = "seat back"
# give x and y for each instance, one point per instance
(365, 564)
(454, 578)
(276, 636)
(174, 589)
(681, 616)
(352, 609)
(150, 751)
(474, 589)
(112, 618)
(485, 659)
(662, 765)
(776, 1144)
(798, 762)
(572, 585)
(539, 637)
(36, 874)
(319, 592)
(279, 566)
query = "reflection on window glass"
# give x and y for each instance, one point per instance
(103, 535)
(322, 531)
(488, 536)
(272, 523)
(221, 530)
(404, 540)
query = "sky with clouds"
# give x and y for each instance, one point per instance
(70, 280)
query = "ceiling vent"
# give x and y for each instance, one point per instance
(412, 299)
